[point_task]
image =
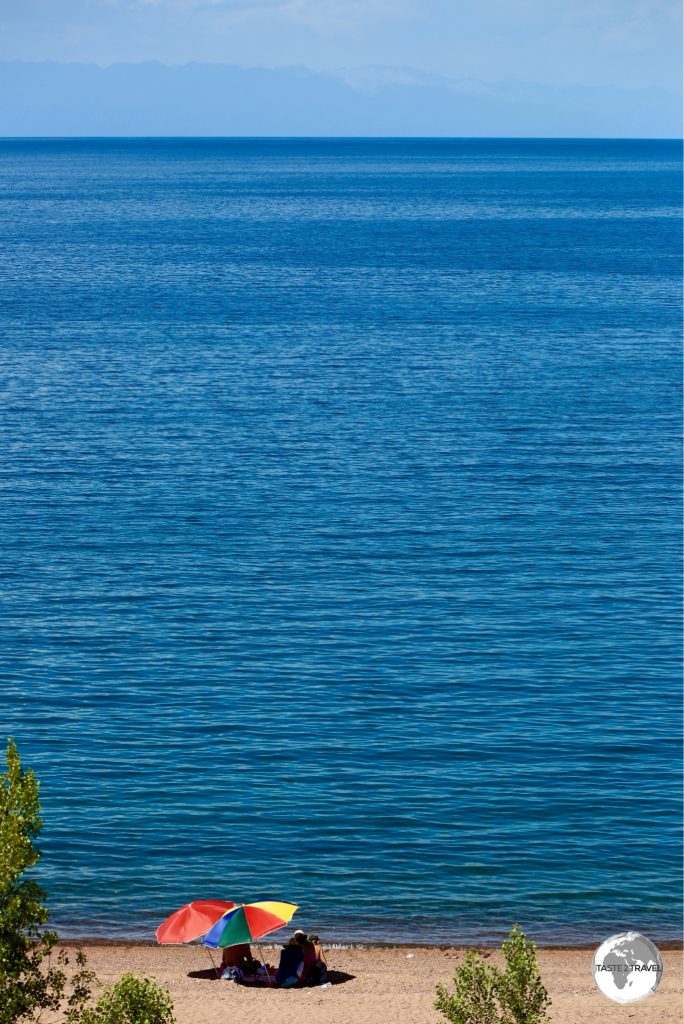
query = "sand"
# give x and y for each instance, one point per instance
(373, 985)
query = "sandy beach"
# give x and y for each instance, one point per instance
(374, 985)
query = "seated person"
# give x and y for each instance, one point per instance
(238, 964)
(308, 953)
(236, 956)
(318, 971)
(291, 965)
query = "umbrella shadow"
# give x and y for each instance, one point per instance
(334, 977)
(340, 977)
(208, 974)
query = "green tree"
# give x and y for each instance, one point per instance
(474, 1001)
(522, 994)
(132, 1001)
(29, 981)
(483, 994)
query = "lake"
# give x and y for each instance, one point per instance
(340, 511)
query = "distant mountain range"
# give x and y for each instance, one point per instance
(51, 99)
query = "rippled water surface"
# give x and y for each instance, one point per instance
(339, 510)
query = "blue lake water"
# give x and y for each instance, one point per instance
(340, 522)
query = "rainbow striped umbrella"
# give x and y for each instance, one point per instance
(249, 921)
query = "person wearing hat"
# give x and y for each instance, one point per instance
(308, 953)
(291, 964)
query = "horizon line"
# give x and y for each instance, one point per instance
(346, 138)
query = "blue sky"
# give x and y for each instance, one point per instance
(619, 43)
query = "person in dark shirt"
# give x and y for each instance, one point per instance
(308, 953)
(291, 965)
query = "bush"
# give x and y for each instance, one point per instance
(474, 1001)
(29, 982)
(485, 995)
(132, 1001)
(522, 994)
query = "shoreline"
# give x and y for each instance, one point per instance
(69, 942)
(369, 984)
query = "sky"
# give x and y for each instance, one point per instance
(629, 44)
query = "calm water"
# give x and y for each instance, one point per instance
(340, 522)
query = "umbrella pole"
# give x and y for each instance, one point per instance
(268, 976)
(218, 973)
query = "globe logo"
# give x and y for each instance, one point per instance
(627, 967)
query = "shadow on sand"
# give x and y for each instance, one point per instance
(334, 977)
(339, 977)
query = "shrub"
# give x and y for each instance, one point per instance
(522, 994)
(474, 1001)
(132, 1001)
(29, 982)
(485, 995)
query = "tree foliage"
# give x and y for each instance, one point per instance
(26, 984)
(30, 981)
(474, 1001)
(521, 992)
(483, 994)
(132, 1000)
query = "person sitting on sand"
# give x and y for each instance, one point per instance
(318, 973)
(291, 965)
(308, 953)
(315, 971)
(238, 956)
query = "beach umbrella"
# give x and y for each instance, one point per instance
(249, 921)
(192, 920)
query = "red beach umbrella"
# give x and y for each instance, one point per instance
(192, 920)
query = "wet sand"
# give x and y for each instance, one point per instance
(373, 985)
